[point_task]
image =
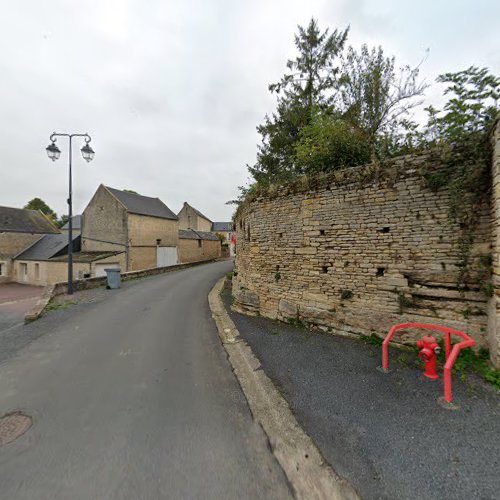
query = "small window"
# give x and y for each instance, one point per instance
(322, 232)
(324, 269)
(158, 242)
(2, 269)
(37, 271)
(380, 271)
(199, 243)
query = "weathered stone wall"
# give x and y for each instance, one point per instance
(191, 251)
(494, 303)
(104, 223)
(189, 219)
(361, 250)
(10, 245)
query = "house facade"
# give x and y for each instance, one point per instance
(226, 230)
(19, 229)
(190, 218)
(196, 246)
(141, 227)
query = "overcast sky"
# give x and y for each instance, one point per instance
(171, 91)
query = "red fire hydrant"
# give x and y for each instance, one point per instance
(429, 349)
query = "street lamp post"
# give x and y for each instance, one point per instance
(54, 153)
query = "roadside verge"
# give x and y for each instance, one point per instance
(309, 474)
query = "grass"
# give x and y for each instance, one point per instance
(469, 361)
(63, 305)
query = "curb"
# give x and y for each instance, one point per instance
(35, 312)
(307, 471)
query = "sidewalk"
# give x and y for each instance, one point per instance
(385, 434)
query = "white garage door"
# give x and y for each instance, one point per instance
(99, 268)
(166, 256)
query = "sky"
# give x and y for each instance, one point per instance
(171, 92)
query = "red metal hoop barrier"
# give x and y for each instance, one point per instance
(450, 353)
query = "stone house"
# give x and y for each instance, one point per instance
(226, 229)
(46, 261)
(144, 228)
(190, 218)
(77, 225)
(198, 245)
(19, 228)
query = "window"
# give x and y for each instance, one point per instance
(2, 269)
(37, 271)
(199, 243)
(158, 242)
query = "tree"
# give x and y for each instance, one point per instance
(304, 89)
(460, 130)
(313, 71)
(39, 204)
(329, 143)
(376, 97)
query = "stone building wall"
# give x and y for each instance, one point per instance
(362, 249)
(192, 251)
(104, 223)
(10, 245)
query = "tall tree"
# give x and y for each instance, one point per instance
(374, 95)
(313, 72)
(39, 204)
(306, 88)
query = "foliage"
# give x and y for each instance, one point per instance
(460, 130)
(478, 363)
(374, 96)
(329, 143)
(62, 220)
(130, 191)
(313, 72)
(332, 108)
(39, 204)
(306, 87)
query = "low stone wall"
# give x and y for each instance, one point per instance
(363, 249)
(87, 284)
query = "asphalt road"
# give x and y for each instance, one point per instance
(132, 397)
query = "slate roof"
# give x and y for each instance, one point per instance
(86, 256)
(191, 234)
(48, 246)
(222, 226)
(22, 220)
(142, 205)
(77, 223)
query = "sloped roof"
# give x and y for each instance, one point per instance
(47, 246)
(77, 223)
(86, 256)
(197, 212)
(191, 234)
(142, 205)
(22, 220)
(222, 226)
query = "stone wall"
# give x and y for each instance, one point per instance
(144, 233)
(104, 224)
(10, 245)
(365, 248)
(193, 251)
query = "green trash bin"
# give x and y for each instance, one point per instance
(114, 278)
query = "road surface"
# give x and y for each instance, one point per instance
(132, 397)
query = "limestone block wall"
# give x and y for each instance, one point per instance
(363, 249)
(191, 251)
(104, 223)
